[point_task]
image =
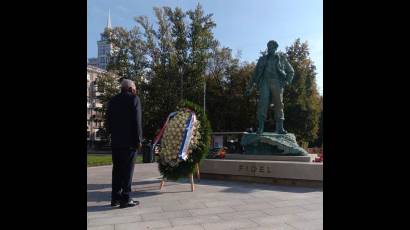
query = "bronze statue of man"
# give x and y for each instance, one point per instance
(272, 73)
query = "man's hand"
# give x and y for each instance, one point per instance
(139, 147)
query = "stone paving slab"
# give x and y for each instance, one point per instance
(230, 224)
(243, 215)
(104, 227)
(222, 203)
(287, 210)
(183, 227)
(144, 225)
(196, 220)
(278, 219)
(214, 204)
(308, 225)
(275, 227)
(210, 211)
(114, 220)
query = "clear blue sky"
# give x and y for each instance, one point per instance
(241, 24)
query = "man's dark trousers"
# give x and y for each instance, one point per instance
(123, 169)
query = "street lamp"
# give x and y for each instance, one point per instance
(182, 79)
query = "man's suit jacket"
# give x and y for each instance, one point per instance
(124, 120)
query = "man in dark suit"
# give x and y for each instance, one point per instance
(124, 125)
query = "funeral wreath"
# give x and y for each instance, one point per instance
(185, 139)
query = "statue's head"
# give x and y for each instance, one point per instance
(272, 46)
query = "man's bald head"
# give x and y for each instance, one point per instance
(128, 86)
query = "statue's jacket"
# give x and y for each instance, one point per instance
(284, 74)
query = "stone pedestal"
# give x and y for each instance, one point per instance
(269, 158)
(264, 171)
(272, 144)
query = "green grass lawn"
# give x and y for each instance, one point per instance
(104, 159)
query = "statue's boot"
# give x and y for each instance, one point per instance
(279, 127)
(260, 127)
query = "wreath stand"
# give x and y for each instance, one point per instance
(191, 179)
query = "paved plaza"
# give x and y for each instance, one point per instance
(213, 205)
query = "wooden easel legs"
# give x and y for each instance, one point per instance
(161, 184)
(191, 179)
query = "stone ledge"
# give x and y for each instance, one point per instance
(259, 168)
(265, 180)
(267, 157)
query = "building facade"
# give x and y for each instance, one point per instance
(93, 62)
(95, 119)
(104, 50)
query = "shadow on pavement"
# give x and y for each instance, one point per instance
(99, 208)
(147, 188)
(105, 186)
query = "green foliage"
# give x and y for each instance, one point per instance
(301, 98)
(107, 87)
(127, 59)
(105, 159)
(186, 167)
(319, 141)
(172, 58)
(228, 108)
(200, 41)
(98, 159)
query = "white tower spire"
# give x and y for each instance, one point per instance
(109, 19)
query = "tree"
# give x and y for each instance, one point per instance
(178, 54)
(216, 83)
(200, 40)
(229, 109)
(180, 43)
(107, 87)
(301, 98)
(128, 58)
(319, 141)
(163, 61)
(241, 109)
